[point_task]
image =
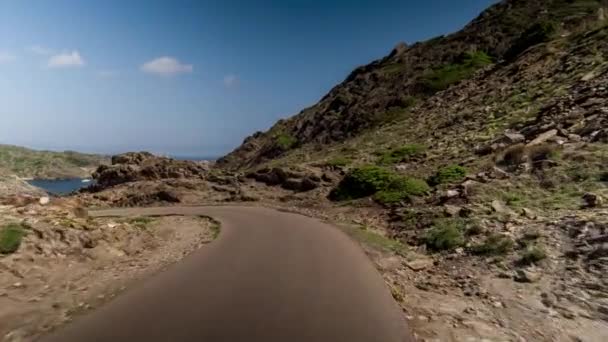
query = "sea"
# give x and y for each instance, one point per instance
(61, 186)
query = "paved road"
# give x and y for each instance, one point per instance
(270, 276)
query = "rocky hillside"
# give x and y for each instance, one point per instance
(398, 85)
(27, 163)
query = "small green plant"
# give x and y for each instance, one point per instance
(338, 162)
(141, 222)
(402, 154)
(532, 255)
(10, 237)
(464, 67)
(285, 141)
(215, 229)
(448, 174)
(446, 234)
(495, 244)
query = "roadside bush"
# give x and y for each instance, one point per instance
(401, 189)
(446, 234)
(401, 154)
(10, 237)
(369, 180)
(494, 244)
(448, 174)
(361, 182)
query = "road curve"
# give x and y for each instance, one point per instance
(270, 276)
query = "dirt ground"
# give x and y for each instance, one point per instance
(67, 266)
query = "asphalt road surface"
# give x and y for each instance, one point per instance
(270, 276)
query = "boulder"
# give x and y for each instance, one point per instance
(543, 137)
(592, 200)
(44, 200)
(527, 276)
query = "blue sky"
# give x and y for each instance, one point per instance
(188, 77)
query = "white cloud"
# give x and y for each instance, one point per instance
(66, 60)
(39, 50)
(230, 80)
(166, 66)
(6, 57)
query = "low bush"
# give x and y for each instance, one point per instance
(532, 255)
(446, 234)
(388, 186)
(402, 154)
(495, 244)
(285, 141)
(338, 162)
(361, 182)
(448, 174)
(10, 237)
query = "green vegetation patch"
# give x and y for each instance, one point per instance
(10, 237)
(446, 235)
(141, 222)
(532, 255)
(495, 244)
(448, 174)
(369, 180)
(464, 67)
(401, 154)
(285, 141)
(374, 240)
(338, 162)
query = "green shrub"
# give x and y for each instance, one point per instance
(532, 255)
(401, 189)
(536, 34)
(10, 238)
(369, 180)
(390, 197)
(338, 162)
(141, 222)
(464, 67)
(401, 154)
(448, 174)
(494, 244)
(445, 234)
(361, 182)
(411, 186)
(285, 141)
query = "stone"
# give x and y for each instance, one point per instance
(543, 137)
(452, 210)
(592, 200)
(419, 264)
(452, 193)
(44, 200)
(499, 207)
(514, 138)
(527, 213)
(527, 276)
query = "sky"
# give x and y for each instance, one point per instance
(188, 78)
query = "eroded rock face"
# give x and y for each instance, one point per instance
(298, 181)
(139, 166)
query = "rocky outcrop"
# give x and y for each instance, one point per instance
(288, 179)
(144, 166)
